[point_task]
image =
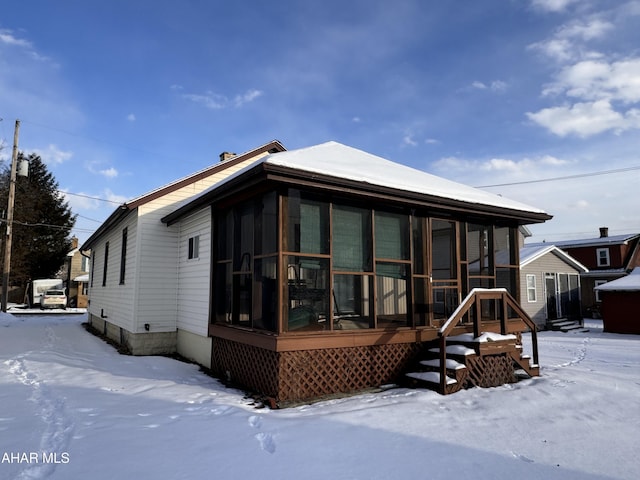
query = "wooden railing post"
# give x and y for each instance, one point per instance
(504, 314)
(477, 322)
(443, 365)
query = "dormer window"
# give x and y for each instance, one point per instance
(603, 257)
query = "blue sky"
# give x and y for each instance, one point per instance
(122, 97)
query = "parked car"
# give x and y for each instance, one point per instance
(53, 299)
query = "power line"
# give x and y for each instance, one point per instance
(566, 177)
(87, 218)
(90, 197)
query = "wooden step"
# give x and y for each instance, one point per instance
(431, 380)
(430, 377)
(451, 364)
(488, 343)
(459, 351)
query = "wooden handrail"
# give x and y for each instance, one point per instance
(474, 298)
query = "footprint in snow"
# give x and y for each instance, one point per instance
(255, 421)
(267, 443)
(521, 457)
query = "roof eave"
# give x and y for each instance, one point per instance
(113, 219)
(292, 176)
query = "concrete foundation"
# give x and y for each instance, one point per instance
(148, 343)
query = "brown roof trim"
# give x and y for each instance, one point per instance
(300, 177)
(271, 147)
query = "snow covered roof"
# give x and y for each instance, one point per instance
(343, 163)
(629, 283)
(530, 253)
(338, 160)
(589, 242)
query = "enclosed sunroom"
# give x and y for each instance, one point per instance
(334, 270)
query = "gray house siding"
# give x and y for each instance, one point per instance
(550, 263)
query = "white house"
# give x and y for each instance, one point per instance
(147, 290)
(293, 273)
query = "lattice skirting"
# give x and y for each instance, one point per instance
(491, 370)
(308, 374)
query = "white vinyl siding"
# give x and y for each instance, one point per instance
(158, 260)
(150, 293)
(194, 275)
(113, 300)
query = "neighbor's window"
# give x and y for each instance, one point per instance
(123, 256)
(194, 247)
(531, 288)
(603, 257)
(106, 262)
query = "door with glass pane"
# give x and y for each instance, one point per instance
(436, 285)
(444, 270)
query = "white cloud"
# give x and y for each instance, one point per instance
(497, 171)
(216, 101)
(52, 155)
(552, 5)
(585, 119)
(494, 86)
(598, 79)
(131, 117)
(109, 172)
(209, 100)
(248, 96)
(580, 204)
(409, 140)
(588, 30)
(597, 92)
(112, 197)
(7, 37)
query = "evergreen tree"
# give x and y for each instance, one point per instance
(42, 223)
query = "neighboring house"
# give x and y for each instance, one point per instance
(76, 276)
(304, 273)
(549, 283)
(621, 304)
(607, 258)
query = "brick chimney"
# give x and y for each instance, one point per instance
(604, 232)
(74, 243)
(226, 156)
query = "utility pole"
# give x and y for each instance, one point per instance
(8, 238)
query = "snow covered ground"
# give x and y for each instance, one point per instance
(73, 408)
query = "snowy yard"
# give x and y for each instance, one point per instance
(73, 408)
